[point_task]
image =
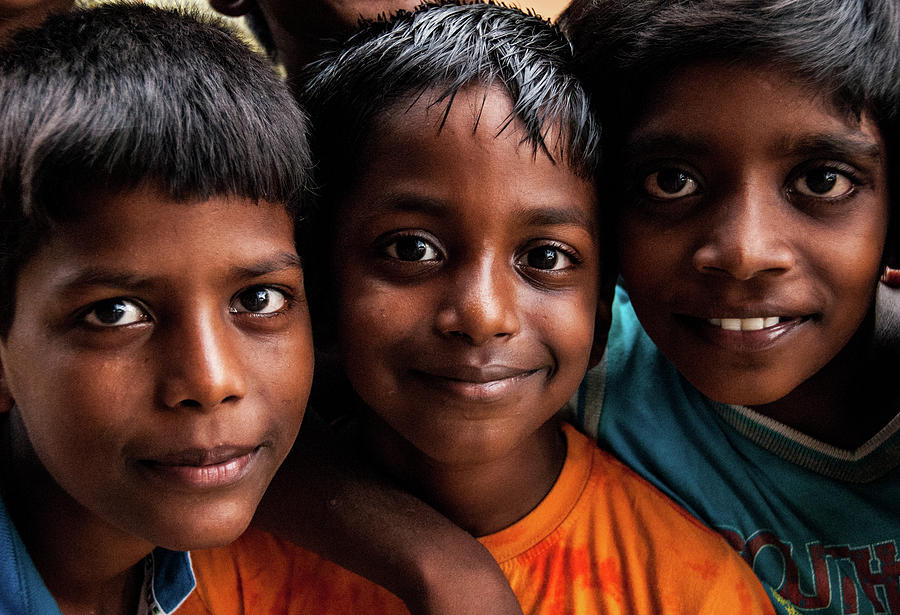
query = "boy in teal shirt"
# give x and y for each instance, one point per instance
(753, 148)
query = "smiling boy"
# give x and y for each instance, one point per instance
(756, 145)
(154, 333)
(462, 262)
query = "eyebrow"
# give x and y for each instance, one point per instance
(558, 216)
(281, 261)
(832, 145)
(652, 142)
(408, 203)
(540, 216)
(826, 144)
(98, 276)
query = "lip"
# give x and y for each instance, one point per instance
(202, 468)
(476, 384)
(741, 341)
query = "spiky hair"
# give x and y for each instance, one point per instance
(440, 48)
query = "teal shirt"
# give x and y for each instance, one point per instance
(819, 525)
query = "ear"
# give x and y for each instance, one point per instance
(233, 8)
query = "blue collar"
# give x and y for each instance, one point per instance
(171, 580)
(22, 591)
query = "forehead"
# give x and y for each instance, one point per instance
(151, 235)
(474, 149)
(714, 102)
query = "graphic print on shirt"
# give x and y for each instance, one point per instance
(853, 580)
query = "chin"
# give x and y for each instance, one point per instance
(742, 392)
(215, 526)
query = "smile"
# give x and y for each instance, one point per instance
(203, 468)
(477, 385)
(745, 324)
(746, 335)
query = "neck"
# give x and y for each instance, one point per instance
(88, 565)
(850, 399)
(483, 497)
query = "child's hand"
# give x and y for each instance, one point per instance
(891, 277)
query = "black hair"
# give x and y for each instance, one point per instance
(442, 47)
(846, 50)
(102, 100)
(429, 54)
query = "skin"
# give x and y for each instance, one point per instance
(159, 422)
(471, 265)
(301, 29)
(15, 14)
(761, 201)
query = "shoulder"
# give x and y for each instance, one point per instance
(652, 554)
(261, 574)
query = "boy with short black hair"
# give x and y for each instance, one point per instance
(754, 148)
(461, 250)
(153, 327)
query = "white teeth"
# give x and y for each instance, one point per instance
(744, 324)
(751, 324)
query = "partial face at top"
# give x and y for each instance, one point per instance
(301, 28)
(467, 280)
(15, 14)
(753, 238)
(160, 357)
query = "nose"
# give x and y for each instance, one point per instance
(481, 303)
(202, 364)
(746, 236)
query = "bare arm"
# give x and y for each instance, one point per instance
(352, 517)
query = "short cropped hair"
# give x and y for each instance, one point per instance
(103, 100)
(442, 47)
(846, 50)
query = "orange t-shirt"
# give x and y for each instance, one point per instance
(602, 541)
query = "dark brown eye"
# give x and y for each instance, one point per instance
(259, 300)
(670, 184)
(542, 258)
(115, 313)
(547, 258)
(823, 182)
(411, 249)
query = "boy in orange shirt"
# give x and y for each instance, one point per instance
(153, 325)
(460, 266)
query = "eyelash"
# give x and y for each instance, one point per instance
(83, 316)
(384, 247)
(573, 257)
(844, 170)
(841, 169)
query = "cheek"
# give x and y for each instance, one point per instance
(377, 328)
(566, 324)
(646, 260)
